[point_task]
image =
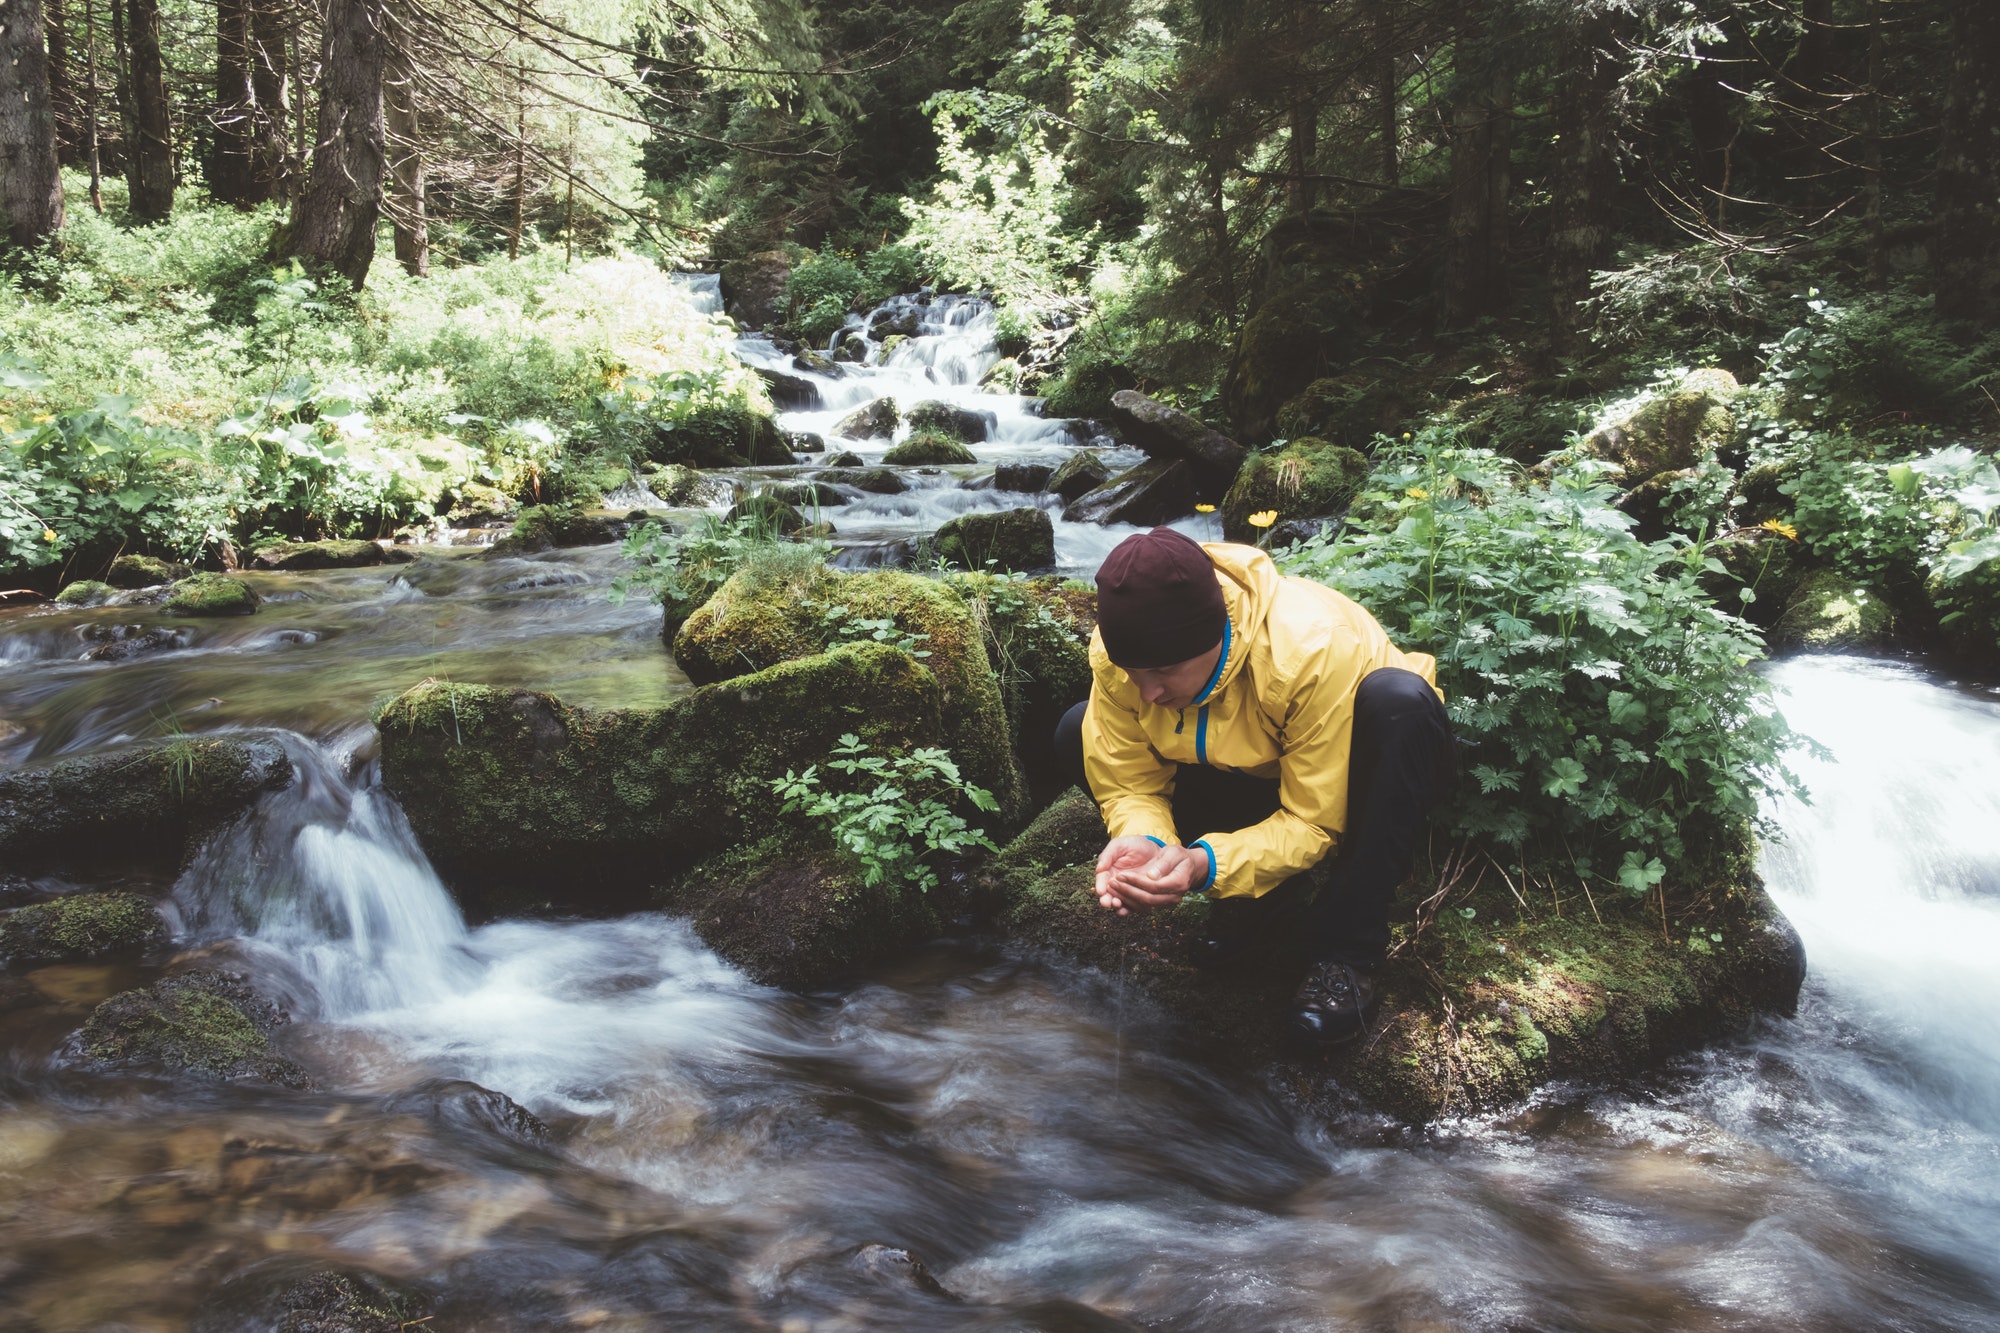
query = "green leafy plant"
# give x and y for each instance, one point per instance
(1618, 724)
(895, 818)
(843, 626)
(683, 570)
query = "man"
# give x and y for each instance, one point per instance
(1241, 727)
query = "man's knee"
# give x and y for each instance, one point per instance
(1393, 693)
(1068, 745)
(1398, 712)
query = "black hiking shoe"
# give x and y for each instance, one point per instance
(1333, 1005)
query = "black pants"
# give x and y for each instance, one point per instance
(1399, 765)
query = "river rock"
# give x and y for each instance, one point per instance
(1012, 541)
(143, 571)
(1168, 432)
(128, 641)
(846, 458)
(805, 442)
(818, 363)
(1668, 430)
(1081, 472)
(1304, 481)
(875, 421)
(151, 801)
(874, 480)
(547, 527)
(1481, 1005)
(681, 486)
(768, 514)
(1027, 478)
(84, 593)
(852, 348)
(457, 1105)
(293, 1295)
(891, 322)
(212, 595)
(790, 393)
(80, 927)
(1155, 492)
(477, 505)
(722, 435)
(960, 423)
(756, 289)
(202, 1023)
(1828, 612)
(294, 556)
(524, 803)
(804, 495)
(929, 449)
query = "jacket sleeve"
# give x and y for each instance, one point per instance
(1133, 784)
(1312, 781)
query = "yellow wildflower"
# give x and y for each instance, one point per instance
(1785, 530)
(1418, 493)
(48, 534)
(44, 419)
(1204, 509)
(1263, 518)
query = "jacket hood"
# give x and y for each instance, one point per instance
(1249, 581)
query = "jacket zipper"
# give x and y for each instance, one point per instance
(1201, 735)
(1180, 720)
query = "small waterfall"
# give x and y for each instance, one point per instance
(704, 291)
(326, 879)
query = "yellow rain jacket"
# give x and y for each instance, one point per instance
(1281, 705)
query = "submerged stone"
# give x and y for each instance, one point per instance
(317, 555)
(202, 1023)
(1013, 540)
(1306, 480)
(212, 595)
(80, 927)
(928, 449)
(289, 1295)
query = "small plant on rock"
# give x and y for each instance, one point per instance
(897, 818)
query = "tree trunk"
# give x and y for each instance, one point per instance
(334, 221)
(30, 183)
(231, 176)
(1386, 130)
(1303, 150)
(1580, 229)
(274, 163)
(90, 90)
(1475, 260)
(149, 156)
(1871, 149)
(1965, 257)
(406, 162)
(62, 88)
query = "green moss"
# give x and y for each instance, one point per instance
(1038, 642)
(1069, 832)
(1306, 479)
(80, 926)
(212, 595)
(874, 480)
(805, 495)
(1829, 612)
(678, 485)
(874, 421)
(768, 513)
(544, 527)
(933, 417)
(1671, 430)
(1082, 471)
(143, 571)
(84, 592)
(928, 448)
(1014, 539)
(317, 555)
(196, 1022)
(720, 435)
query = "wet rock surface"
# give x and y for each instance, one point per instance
(1150, 494)
(212, 595)
(1307, 480)
(317, 555)
(1013, 540)
(1169, 433)
(200, 1023)
(79, 927)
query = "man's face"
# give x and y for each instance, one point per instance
(1175, 686)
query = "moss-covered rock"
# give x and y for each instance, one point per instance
(806, 494)
(1669, 430)
(748, 626)
(681, 486)
(147, 801)
(85, 592)
(794, 916)
(768, 514)
(1012, 540)
(212, 595)
(806, 441)
(547, 527)
(201, 1023)
(477, 505)
(845, 458)
(929, 449)
(959, 423)
(1080, 473)
(1481, 1003)
(720, 435)
(80, 926)
(1346, 409)
(874, 421)
(290, 1295)
(1038, 640)
(524, 802)
(1275, 357)
(1829, 612)
(1307, 479)
(143, 571)
(874, 480)
(317, 555)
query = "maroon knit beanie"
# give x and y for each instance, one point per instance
(1158, 601)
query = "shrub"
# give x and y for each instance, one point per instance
(896, 818)
(1618, 726)
(681, 571)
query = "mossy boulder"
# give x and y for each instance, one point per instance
(750, 625)
(874, 480)
(85, 592)
(143, 571)
(1829, 612)
(805, 441)
(928, 449)
(294, 1295)
(796, 916)
(202, 1023)
(720, 435)
(1012, 540)
(1482, 1001)
(80, 926)
(1038, 640)
(948, 419)
(845, 458)
(1275, 357)
(212, 595)
(1346, 409)
(1668, 430)
(767, 513)
(875, 421)
(680, 486)
(806, 494)
(149, 801)
(547, 527)
(477, 505)
(523, 802)
(1760, 561)
(1083, 471)
(292, 556)
(1307, 479)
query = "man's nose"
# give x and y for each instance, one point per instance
(1154, 694)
